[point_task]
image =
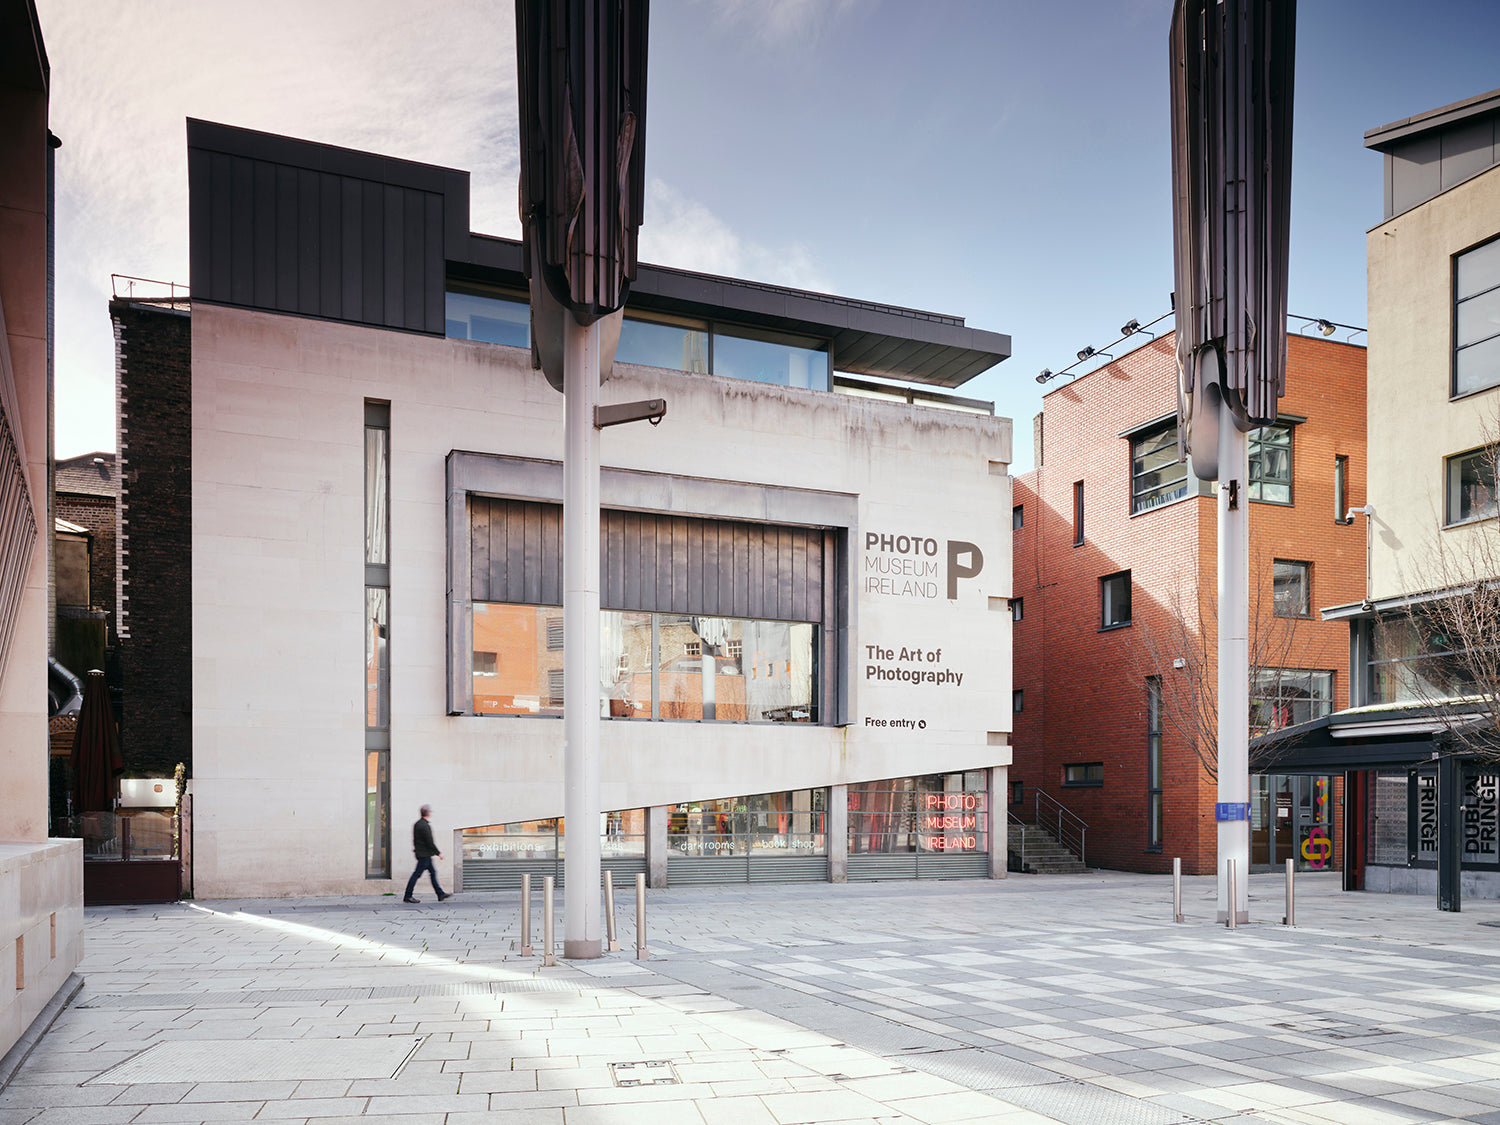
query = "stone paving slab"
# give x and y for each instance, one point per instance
(1019, 1002)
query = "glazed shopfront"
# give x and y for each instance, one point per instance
(933, 826)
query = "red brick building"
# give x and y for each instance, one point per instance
(1113, 608)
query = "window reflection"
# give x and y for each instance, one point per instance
(673, 346)
(788, 823)
(377, 658)
(943, 813)
(475, 315)
(377, 500)
(651, 666)
(764, 361)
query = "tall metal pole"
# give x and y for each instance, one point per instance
(581, 914)
(1234, 664)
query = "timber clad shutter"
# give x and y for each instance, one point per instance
(653, 563)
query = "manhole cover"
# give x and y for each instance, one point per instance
(1332, 1029)
(652, 1072)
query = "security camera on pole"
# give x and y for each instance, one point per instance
(1232, 64)
(581, 70)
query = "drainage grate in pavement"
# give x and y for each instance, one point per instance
(651, 1072)
(1333, 1029)
(263, 1060)
(1078, 1103)
(979, 1069)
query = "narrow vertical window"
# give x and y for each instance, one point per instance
(1153, 763)
(1341, 490)
(1018, 700)
(377, 640)
(1078, 513)
(1018, 517)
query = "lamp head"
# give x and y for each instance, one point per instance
(1087, 351)
(1130, 327)
(1327, 327)
(1045, 375)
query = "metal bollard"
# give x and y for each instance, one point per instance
(1177, 889)
(547, 956)
(1234, 899)
(609, 912)
(640, 917)
(526, 914)
(1291, 894)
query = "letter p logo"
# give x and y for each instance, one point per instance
(957, 550)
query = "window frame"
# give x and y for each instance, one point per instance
(1138, 498)
(1078, 513)
(1017, 609)
(1155, 828)
(1017, 700)
(1341, 489)
(1105, 623)
(1484, 454)
(1091, 777)
(1490, 245)
(1306, 571)
(1018, 517)
(1255, 483)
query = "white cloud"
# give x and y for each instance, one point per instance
(346, 72)
(682, 232)
(783, 24)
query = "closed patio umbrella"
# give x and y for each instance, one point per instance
(97, 763)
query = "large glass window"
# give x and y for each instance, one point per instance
(937, 813)
(681, 346)
(1413, 659)
(1271, 464)
(473, 314)
(1471, 486)
(789, 823)
(1291, 588)
(1476, 318)
(1157, 477)
(622, 835)
(770, 359)
(1284, 697)
(652, 666)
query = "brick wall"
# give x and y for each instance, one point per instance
(153, 346)
(97, 513)
(1085, 687)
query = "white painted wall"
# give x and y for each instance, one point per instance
(1413, 425)
(278, 589)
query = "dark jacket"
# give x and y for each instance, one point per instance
(421, 839)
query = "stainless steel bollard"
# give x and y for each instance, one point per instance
(525, 914)
(547, 955)
(1234, 900)
(609, 912)
(1177, 889)
(640, 917)
(1291, 894)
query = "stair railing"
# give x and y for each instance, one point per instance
(1067, 828)
(1013, 820)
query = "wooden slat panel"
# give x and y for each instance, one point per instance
(693, 595)
(479, 549)
(499, 551)
(550, 562)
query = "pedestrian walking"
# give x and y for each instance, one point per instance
(425, 849)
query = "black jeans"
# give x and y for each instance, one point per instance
(424, 863)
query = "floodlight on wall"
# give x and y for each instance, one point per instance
(1131, 327)
(1045, 375)
(1327, 327)
(1086, 352)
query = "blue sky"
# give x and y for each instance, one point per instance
(1002, 160)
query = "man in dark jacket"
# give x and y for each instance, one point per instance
(421, 843)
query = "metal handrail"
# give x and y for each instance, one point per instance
(124, 281)
(1069, 829)
(1012, 818)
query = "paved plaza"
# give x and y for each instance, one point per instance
(1034, 999)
